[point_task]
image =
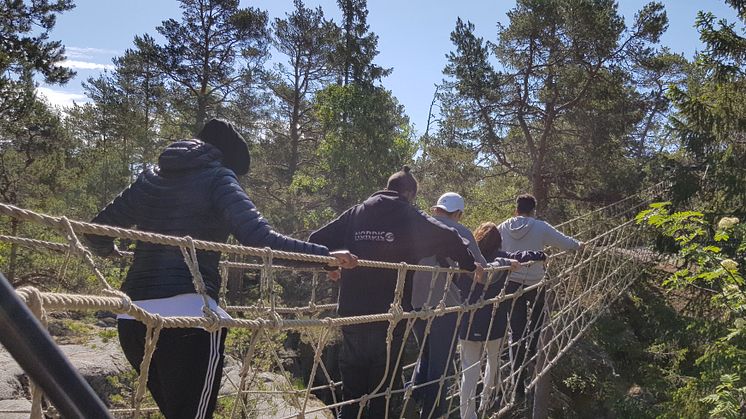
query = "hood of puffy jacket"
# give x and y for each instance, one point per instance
(189, 155)
(519, 226)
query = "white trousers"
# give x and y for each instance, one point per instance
(471, 355)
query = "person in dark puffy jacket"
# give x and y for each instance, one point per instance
(481, 331)
(194, 191)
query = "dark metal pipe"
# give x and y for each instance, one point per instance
(35, 351)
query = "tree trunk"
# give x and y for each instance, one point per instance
(201, 113)
(539, 189)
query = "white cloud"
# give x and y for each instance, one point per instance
(85, 65)
(87, 52)
(59, 98)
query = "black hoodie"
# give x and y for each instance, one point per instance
(386, 227)
(190, 193)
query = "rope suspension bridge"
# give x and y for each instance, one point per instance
(579, 287)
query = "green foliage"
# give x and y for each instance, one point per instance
(107, 334)
(710, 259)
(240, 342)
(123, 386)
(26, 50)
(711, 117)
(568, 72)
(728, 399)
(702, 261)
(450, 160)
(366, 138)
(31, 154)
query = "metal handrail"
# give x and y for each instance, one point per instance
(33, 348)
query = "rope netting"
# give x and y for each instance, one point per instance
(577, 287)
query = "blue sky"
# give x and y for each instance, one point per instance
(413, 36)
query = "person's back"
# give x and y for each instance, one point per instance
(171, 199)
(484, 329)
(190, 193)
(193, 192)
(382, 228)
(429, 289)
(438, 346)
(385, 227)
(524, 232)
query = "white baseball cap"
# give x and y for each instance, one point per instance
(450, 202)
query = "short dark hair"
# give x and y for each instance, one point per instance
(402, 181)
(525, 203)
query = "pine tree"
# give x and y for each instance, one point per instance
(357, 47)
(209, 55)
(25, 50)
(711, 118)
(556, 58)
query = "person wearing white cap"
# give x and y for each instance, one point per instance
(429, 290)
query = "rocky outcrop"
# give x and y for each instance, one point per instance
(96, 361)
(15, 409)
(10, 378)
(102, 363)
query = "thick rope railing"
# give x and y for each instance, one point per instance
(579, 287)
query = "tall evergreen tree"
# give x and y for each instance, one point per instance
(32, 157)
(358, 117)
(305, 38)
(360, 151)
(556, 57)
(711, 116)
(25, 50)
(131, 105)
(357, 47)
(209, 55)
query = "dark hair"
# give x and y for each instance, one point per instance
(402, 181)
(525, 203)
(488, 239)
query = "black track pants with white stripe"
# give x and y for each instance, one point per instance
(185, 371)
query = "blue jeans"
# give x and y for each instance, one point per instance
(436, 361)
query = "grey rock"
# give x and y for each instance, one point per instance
(104, 314)
(58, 328)
(261, 401)
(98, 360)
(10, 373)
(15, 409)
(107, 322)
